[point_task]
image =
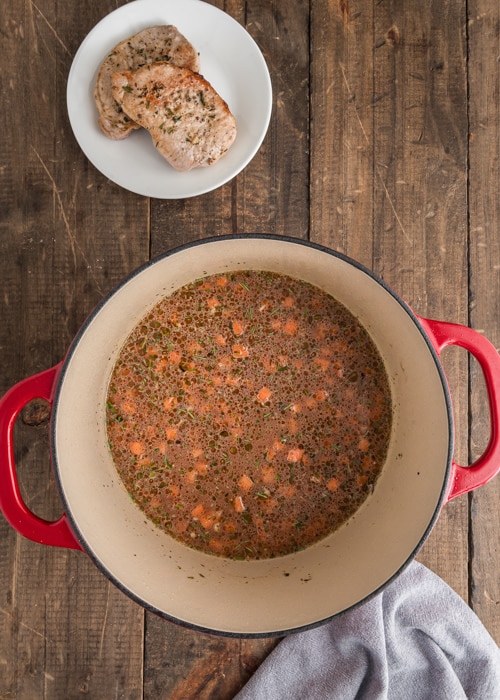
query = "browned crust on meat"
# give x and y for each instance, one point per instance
(160, 43)
(190, 124)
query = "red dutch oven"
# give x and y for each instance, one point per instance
(275, 596)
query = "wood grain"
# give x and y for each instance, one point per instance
(484, 246)
(384, 144)
(68, 236)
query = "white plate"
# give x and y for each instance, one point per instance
(229, 59)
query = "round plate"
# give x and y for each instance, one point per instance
(229, 59)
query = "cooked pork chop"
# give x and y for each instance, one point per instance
(162, 43)
(190, 124)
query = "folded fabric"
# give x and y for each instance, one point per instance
(416, 640)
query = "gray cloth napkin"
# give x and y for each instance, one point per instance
(417, 639)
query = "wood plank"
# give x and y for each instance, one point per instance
(388, 187)
(342, 168)
(423, 193)
(67, 236)
(271, 196)
(484, 218)
(377, 107)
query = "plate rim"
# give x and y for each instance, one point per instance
(127, 13)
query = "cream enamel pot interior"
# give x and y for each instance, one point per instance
(286, 594)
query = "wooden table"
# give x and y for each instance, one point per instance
(384, 144)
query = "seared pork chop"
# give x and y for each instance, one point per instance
(162, 43)
(190, 124)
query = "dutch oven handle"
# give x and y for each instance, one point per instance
(15, 510)
(441, 334)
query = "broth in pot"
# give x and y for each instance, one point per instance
(249, 414)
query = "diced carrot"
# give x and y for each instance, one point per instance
(287, 490)
(376, 409)
(321, 395)
(161, 364)
(201, 467)
(224, 362)
(288, 302)
(216, 545)
(152, 350)
(223, 407)
(197, 452)
(290, 326)
(150, 430)
(170, 402)
(295, 407)
(144, 462)
(258, 521)
(293, 426)
(295, 454)
(155, 502)
(276, 324)
(217, 380)
(264, 395)
(161, 447)
(195, 347)
(240, 351)
(362, 479)
(207, 520)
(238, 328)
(191, 475)
(220, 340)
(238, 504)
(229, 526)
(363, 444)
(179, 526)
(269, 365)
(320, 333)
(232, 381)
(333, 484)
(171, 432)
(245, 483)
(198, 510)
(221, 281)
(269, 504)
(129, 407)
(278, 445)
(213, 303)
(270, 455)
(310, 401)
(137, 448)
(174, 490)
(322, 363)
(367, 463)
(268, 474)
(174, 357)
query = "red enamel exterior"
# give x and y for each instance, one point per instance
(15, 510)
(441, 335)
